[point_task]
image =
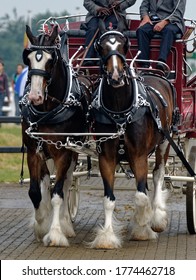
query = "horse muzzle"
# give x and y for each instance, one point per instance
(115, 78)
(116, 83)
(35, 98)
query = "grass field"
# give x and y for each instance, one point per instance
(10, 163)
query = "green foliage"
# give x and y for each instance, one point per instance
(12, 30)
(10, 164)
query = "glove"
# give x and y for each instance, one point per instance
(103, 11)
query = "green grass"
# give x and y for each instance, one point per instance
(11, 163)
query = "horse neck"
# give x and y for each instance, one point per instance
(59, 81)
(117, 99)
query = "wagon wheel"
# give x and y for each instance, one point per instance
(73, 198)
(191, 195)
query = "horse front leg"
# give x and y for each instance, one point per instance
(107, 236)
(61, 226)
(65, 220)
(159, 219)
(39, 193)
(143, 210)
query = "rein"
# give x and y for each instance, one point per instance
(71, 102)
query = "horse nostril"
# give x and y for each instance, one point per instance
(115, 75)
(35, 98)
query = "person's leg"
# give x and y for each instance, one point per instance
(16, 99)
(168, 37)
(144, 35)
(92, 27)
(1, 103)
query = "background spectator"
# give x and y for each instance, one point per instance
(15, 77)
(4, 87)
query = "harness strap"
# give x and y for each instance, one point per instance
(179, 153)
(39, 72)
(47, 116)
(22, 166)
(111, 53)
(158, 94)
(169, 138)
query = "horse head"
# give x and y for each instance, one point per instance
(112, 47)
(40, 58)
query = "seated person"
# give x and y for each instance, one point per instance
(162, 17)
(111, 11)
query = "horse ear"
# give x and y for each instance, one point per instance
(97, 46)
(127, 44)
(102, 28)
(30, 35)
(54, 33)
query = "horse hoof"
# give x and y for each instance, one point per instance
(150, 236)
(55, 238)
(159, 220)
(39, 231)
(68, 230)
(156, 229)
(160, 227)
(71, 234)
(105, 239)
(142, 233)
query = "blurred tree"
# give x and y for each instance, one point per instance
(12, 30)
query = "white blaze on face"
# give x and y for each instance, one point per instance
(113, 45)
(36, 94)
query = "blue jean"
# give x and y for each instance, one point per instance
(92, 26)
(145, 33)
(2, 96)
(16, 100)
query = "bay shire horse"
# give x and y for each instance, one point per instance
(54, 103)
(136, 110)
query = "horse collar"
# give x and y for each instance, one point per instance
(122, 118)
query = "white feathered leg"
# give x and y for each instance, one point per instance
(65, 221)
(42, 215)
(106, 237)
(142, 218)
(159, 219)
(61, 226)
(55, 236)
